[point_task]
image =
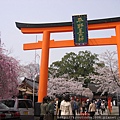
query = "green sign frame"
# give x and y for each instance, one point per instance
(80, 29)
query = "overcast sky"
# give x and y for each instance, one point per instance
(50, 11)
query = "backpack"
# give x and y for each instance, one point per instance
(75, 107)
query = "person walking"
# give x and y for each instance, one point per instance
(51, 109)
(92, 109)
(103, 107)
(106, 104)
(58, 102)
(83, 106)
(44, 109)
(87, 105)
(74, 106)
(66, 109)
(99, 106)
(78, 106)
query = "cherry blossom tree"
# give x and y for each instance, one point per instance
(9, 72)
(75, 65)
(107, 79)
(30, 70)
(63, 85)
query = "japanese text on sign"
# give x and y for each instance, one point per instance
(80, 29)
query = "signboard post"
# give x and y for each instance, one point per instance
(80, 29)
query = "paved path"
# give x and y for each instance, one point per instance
(115, 110)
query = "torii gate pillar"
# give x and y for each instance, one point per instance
(118, 44)
(44, 66)
(46, 43)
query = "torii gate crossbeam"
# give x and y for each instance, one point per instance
(46, 43)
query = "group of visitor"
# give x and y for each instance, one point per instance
(64, 107)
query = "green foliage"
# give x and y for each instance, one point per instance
(75, 65)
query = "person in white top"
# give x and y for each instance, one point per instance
(92, 108)
(65, 107)
(103, 107)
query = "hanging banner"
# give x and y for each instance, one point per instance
(80, 29)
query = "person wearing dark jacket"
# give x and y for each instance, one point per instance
(51, 109)
(87, 105)
(73, 104)
(58, 111)
(99, 106)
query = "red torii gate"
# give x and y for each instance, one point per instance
(46, 43)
